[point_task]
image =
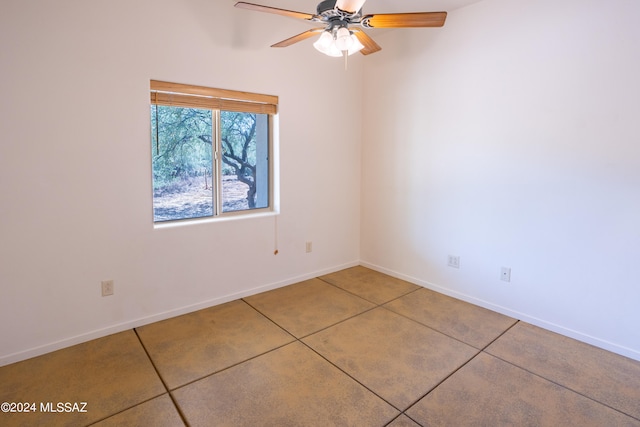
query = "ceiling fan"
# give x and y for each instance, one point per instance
(341, 35)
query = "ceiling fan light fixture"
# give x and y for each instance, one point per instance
(324, 42)
(331, 46)
(356, 46)
(343, 39)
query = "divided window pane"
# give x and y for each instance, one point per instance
(181, 144)
(208, 162)
(245, 161)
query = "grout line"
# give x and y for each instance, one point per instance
(442, 381)
(293, 340)
(548, 379)
(431, 328)
(353, 378)
(499, 336)
(175, 404)
(402, 296)
(398, 416)
(479, 351)
(444, 333)
(368, 300)
(299, 340)
(339, 322)
(125, 409)
(565, 387)
(231, 366)
(408, 416)
(151, 360)
(267, 317)
(348, 291)
(315, 331)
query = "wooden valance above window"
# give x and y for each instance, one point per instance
(180, 95)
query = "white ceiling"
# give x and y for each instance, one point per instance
(372, 6)
(394, 6)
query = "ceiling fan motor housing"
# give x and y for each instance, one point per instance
(328, 12)
(326, 6)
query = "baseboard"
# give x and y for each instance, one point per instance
(113, 329)
(586, 338)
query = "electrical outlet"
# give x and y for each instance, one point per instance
(309, 247)
(107, 288)
(505, 274)
(454, 261)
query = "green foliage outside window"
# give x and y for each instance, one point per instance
(183, 143)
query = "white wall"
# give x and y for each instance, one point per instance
(511, 138)
(75, 173)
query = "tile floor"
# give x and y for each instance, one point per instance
(352, 348)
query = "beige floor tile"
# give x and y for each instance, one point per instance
(490, 392)
(110, 374)
(307, 307)
(371, 285)
(290, 386)
(158, 412)
(189, 347)
(397, 358)
(603, 376)
(469, 323)
(232, 365)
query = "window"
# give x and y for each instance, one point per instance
(211, 151)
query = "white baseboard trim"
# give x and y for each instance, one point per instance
(112, 329)
(586, 338)
(120, 327)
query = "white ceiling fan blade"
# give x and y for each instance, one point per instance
(351, 6)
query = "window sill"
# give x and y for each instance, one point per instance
(218, 219)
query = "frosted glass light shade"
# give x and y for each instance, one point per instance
(332, 47)
(343, 39)
(324, 42)
(356, 46)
